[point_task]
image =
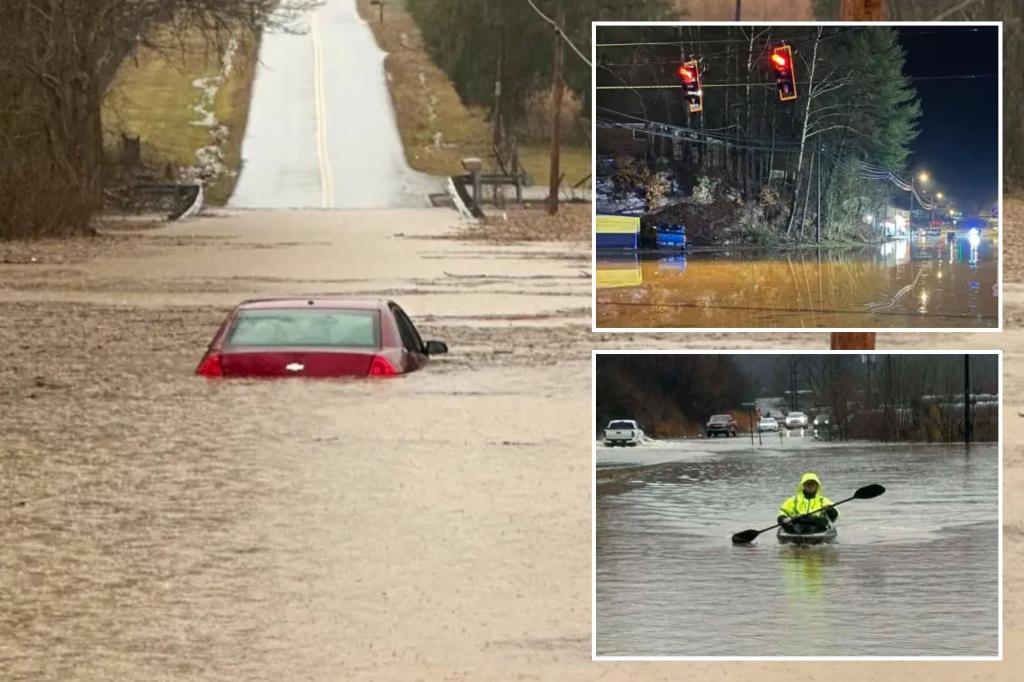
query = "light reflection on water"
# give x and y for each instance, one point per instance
(924, 282)
(914, 572)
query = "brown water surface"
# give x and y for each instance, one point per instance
(925, 282)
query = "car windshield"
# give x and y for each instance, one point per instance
(320, 328)
(620, 425)
(719, 419)
(796, 414)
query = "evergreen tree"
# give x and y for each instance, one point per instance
(468, 39)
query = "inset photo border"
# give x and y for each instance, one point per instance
(888, 492)
(793, 176)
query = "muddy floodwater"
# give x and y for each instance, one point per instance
(924, 282)
(158, 526)
(914, 572)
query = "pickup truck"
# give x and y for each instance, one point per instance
(623, 432)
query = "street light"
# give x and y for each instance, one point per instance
(923, 177)
(938, 195)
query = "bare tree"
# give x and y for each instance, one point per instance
(57, 60)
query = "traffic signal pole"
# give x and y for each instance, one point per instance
(863, 10)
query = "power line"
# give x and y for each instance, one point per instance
(558, 29)
(868, 171)
(770, 83)
(953, 10)
(829, 36)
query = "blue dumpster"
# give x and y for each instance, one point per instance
(671, 236)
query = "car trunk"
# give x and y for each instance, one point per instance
(296, 363)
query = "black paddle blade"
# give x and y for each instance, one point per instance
(743, 537)
(869, 491)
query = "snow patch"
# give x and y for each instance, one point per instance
(211, 157)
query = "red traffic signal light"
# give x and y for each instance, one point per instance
(785, 75)
(690, 75)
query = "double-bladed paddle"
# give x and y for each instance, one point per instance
(865, 493)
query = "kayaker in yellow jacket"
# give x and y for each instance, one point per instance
(808, 499)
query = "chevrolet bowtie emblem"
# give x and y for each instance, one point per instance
(294, 367)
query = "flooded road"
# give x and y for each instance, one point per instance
(924, 282)
(155, 526)
(913, 573)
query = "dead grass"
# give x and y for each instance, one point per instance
(753, 10)
(574, 162)
(517, 224)
(153, 96)
(427, 105)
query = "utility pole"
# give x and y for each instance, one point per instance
(497, 135)
(555, 179)
(968, 426)
(863, 10)
(379, 3)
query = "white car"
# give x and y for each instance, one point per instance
(796, 420)
(767, 424)
(624, 432)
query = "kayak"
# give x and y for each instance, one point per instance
(820, 537)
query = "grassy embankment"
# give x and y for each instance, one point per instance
(153, 96)
(426, 103)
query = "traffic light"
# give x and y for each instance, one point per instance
(689, 74)
(785, 75)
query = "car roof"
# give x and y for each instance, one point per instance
(334, 302)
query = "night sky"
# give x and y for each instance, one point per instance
(958, 144)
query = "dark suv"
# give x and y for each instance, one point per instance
(722, 424)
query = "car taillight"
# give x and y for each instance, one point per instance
(380, 367)
(211, 366)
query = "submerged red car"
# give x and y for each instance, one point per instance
(316, 337)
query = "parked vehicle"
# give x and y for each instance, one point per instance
(721, 424)
(623, 432)
(768, 424)
(317, 337)
(796, 420)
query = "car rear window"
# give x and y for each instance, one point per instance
(320, 328)
(620, 425)
(719, 419)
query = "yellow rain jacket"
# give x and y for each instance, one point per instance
(799, 504)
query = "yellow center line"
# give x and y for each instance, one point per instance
(320, 103)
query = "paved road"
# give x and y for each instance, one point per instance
(321, 130)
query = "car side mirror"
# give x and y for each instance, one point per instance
(436, 347)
